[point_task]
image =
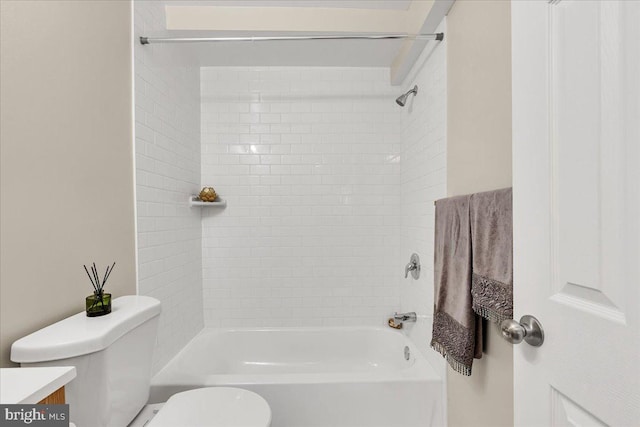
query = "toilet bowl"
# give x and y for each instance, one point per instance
(113, 355)
(213, 406)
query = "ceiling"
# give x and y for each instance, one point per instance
(236, 18)
(352, 4)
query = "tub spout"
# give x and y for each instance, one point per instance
(400, 318)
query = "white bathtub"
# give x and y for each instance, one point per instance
(324, 377)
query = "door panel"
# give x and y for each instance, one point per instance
(576, 121)
(566, 412)
(586, 109)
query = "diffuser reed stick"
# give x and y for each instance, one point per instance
(108, 273)
(90, 279)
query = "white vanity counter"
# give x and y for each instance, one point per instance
(31, 385)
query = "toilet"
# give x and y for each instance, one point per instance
(113, 356)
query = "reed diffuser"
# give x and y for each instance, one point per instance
(99, 303)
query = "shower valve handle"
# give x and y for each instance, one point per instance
(413, 267)
(410, 267)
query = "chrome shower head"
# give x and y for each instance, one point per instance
(402, 99)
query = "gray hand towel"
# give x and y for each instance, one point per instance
(457, 331)
(492, 253)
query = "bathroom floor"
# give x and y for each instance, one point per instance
(147, 413)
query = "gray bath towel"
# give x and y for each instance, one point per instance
(492, 253)
(457, 331)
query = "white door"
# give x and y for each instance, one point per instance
(576, 165)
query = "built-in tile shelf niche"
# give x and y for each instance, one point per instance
(219, 203)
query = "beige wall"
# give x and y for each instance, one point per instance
(67, 170)
(479, 159)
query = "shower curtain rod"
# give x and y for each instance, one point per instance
(149, 40)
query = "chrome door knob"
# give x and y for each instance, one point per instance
(528, 329)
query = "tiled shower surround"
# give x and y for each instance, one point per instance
(330, 188)
(167, 114)
(309, 162)
(423, 180)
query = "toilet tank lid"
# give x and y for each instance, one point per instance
(79, 335)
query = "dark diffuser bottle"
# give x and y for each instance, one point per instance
(98, 304)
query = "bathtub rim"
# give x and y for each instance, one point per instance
(420, 370)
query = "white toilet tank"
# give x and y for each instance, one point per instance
(112, 355)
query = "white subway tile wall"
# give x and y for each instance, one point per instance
(167, 149)
(422, 181)
(330, 187)
(309, 162)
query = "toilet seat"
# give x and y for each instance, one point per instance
(214, 407)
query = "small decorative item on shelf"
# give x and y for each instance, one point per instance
(208, 194)
(99, 303)
(392, 324)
